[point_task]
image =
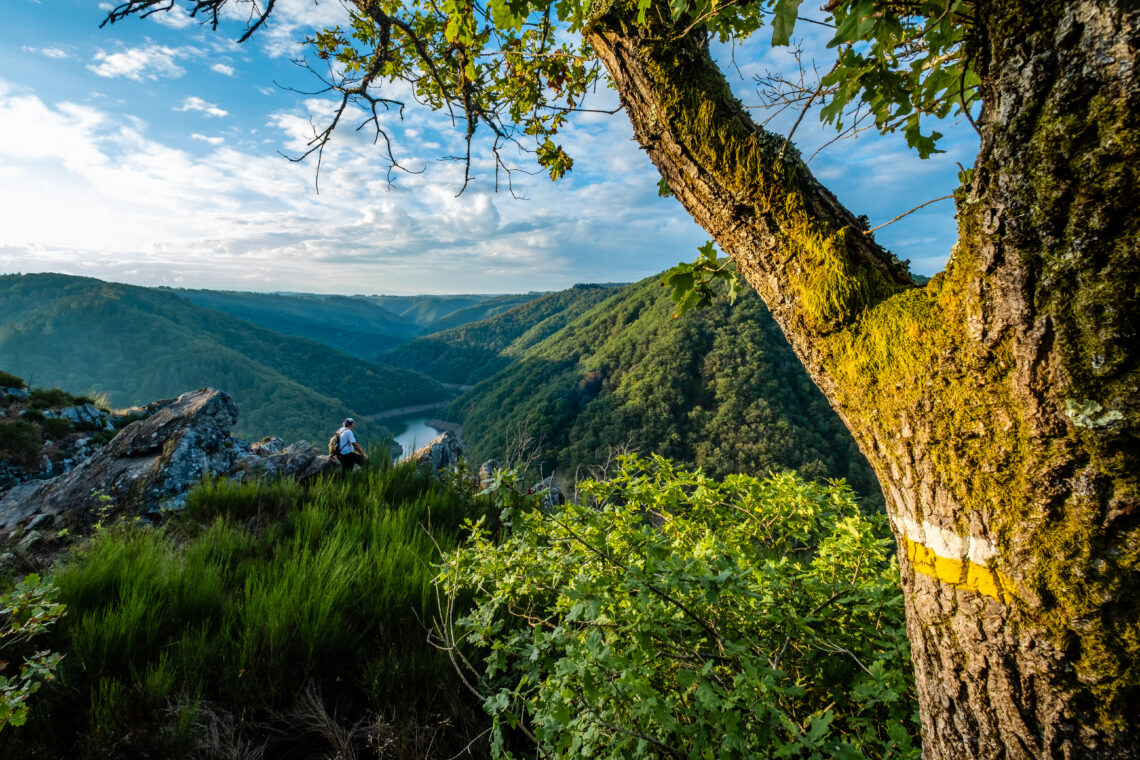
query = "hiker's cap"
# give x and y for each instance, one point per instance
(348, 421)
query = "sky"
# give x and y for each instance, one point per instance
(150, 152)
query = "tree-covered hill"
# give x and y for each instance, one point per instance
(429, 310)
(476, 351)
(354, 325)
(485, 309)
(718, 388)
(139, 344)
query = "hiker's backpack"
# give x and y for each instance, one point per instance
(334, 444)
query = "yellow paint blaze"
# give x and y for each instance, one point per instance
(961, 573)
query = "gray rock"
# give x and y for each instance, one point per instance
(17, 392)
(487, 472)
(301, 460)
(149, 462)
(268, 446)
(40, 521)
(8, 561)
(552, 494)
(444, 451)
(87, 416)
(29, 540)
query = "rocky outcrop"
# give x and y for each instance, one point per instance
(445, 450)
(152, 464)
(300, 460)
(487, 473)
(551, 494)
(85, 417)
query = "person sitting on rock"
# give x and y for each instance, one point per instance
(350, 454)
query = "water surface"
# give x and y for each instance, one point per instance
(416, 435)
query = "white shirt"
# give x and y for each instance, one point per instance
(346, 440)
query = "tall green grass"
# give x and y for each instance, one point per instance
(252, 595)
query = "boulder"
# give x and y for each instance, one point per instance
(154, 462)
(150, 464)
(445, 450)
(267, 446)
(86, 416)
(301, 461)
(552, 494)
(487, 472)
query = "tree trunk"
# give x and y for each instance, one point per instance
(998, 405)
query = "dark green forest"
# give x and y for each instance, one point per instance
(476, 351)
(353, 325)
(136, 345)
(718, 389)
(427, 310)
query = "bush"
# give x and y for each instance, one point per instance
(19, 439)
(48, 398)
(26, 612)
(33, 415)
(681, 616)
(8, 380)
(56, 427)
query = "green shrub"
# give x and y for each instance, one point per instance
(675, 615)
(32, 415)
(56, 427)
(26, 612)
(48, 398)
(8, 380)
(19, 439)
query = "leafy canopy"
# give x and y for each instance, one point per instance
(675, 615)
(518, 68)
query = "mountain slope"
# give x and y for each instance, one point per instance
(475, 351)
(139, 344)
(485, 309)
(350, 324)
(720, 389)
(423, 310)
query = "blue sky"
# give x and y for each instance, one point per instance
(148, 153)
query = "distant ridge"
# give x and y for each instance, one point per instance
(352, 324)
(138, 344)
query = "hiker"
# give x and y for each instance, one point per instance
(348, 451)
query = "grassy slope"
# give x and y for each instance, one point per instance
(139, 344)
(720, 389)
(354, 325)
(254, 596)
(474, 352)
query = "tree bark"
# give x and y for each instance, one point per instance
(998, 405)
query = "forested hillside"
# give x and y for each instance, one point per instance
(429, 310)
(351, 324)
(140, 344)
(476, 351)
(718, 388)
(489, 307)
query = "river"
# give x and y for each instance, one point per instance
(416, 434)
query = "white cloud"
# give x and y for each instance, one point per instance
(175, 18)
(206, 139)
(197, 104)
(150, 62)
(222, 68)
(51, 52)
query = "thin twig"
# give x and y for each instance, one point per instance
(916, 208)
